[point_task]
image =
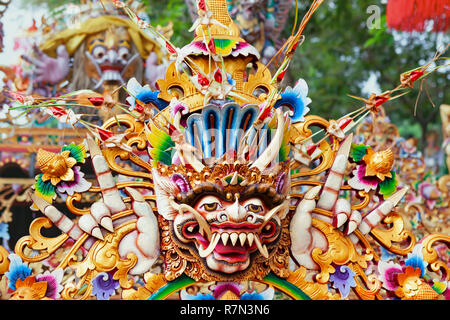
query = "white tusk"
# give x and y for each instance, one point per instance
(274, 211)
(88, 224)
(201, 221)
(101, 214)
(261, 248)
(272, 149)
(212, 245)
(111, 195)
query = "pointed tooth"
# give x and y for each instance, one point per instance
(225, 236)
(190, 228)
(261, 248)
(212, 245)
(242, 238)
(234, 236)
(250, 238)
(202, 232)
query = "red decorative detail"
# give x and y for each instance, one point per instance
(292, 50)
(310, 149)
(33, 27)
(379, 100)
(212, 46)
(344, 123)
(170, 48)
(17, 96)
(96, 101)
(139, 108)
(172, 129)
(218, 76)
(202, 5)
(281, 75)
(415, 75)
(58, 112)
(412, 15)
(202, 80)
(104, 134)
(265, 113)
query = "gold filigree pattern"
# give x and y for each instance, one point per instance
(340, 251)
(314, 290)
(36, 241)
(431, 256)
(396, 233)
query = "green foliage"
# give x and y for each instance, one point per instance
(175, 11)
(340, 53)
(51, 4)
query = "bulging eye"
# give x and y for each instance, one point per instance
(124, 53)
(255, 208)
(210, 206)
(209, 203)
(98, 52)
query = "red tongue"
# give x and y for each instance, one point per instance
(220, 248)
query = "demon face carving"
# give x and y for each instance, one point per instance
(227, 215)
(229, 233)
(110, 56)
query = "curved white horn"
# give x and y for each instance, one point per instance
(273, 148)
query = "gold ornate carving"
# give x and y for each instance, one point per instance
(314, 290)
(396, 233)
(153, 282)
(340, 251)
(431, 256)
(4, 262)
(36, 241)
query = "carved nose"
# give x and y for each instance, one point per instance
(236, 212)
(112, 56)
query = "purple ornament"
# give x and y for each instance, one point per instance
(180, 181)
(343, 279)
(281, 182)
(104, 286)
(79, 184)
